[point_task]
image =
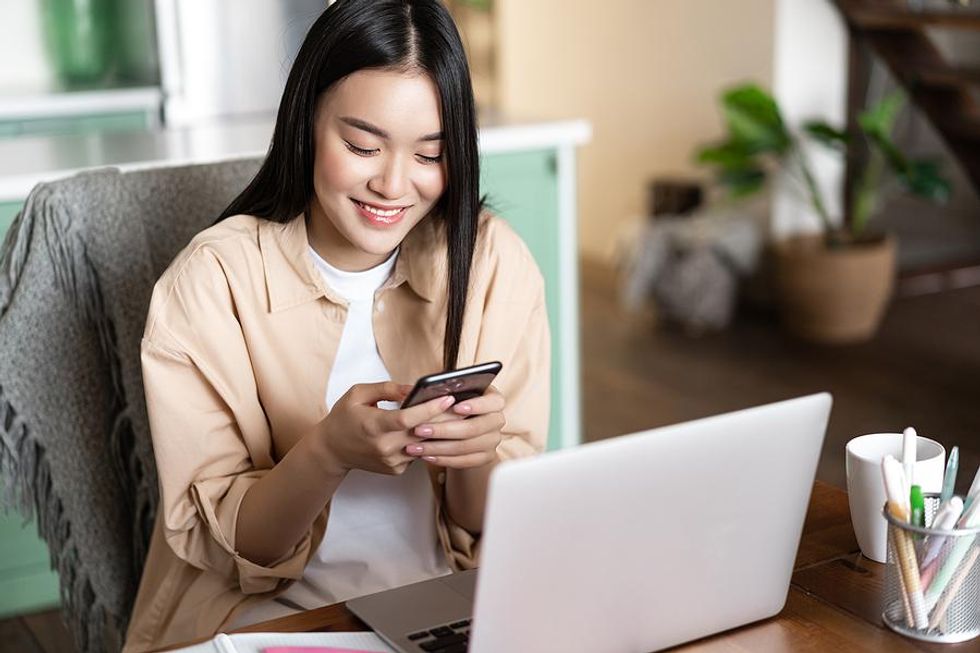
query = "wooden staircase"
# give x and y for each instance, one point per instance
(945, 93)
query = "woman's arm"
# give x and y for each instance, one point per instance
(466, 495)
(279, 509)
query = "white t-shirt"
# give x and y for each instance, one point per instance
(381, 532)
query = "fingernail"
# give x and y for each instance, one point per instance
(424, 430)
(464, 408)
(414, 449)
(448, 401)
(431, 459)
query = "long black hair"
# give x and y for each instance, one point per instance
(352, 35)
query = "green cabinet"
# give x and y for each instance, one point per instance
(27, 582)
(71, 124)
(8, 211)
(522, 187)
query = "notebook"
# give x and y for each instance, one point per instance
(260, 642)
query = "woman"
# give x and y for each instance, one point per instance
(357, 260)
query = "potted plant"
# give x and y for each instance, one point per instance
(834, 286)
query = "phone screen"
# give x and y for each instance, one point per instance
(463, 384)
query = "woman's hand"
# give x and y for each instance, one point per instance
(356, 434)
(463, 443)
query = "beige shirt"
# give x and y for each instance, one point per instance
(240, 337)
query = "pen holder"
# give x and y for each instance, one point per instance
(932, 580)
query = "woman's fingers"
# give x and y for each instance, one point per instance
(448, 416)
(406, 419)
(436, 450)
(461, 429)
(490, 401)
(463, 462)
(371, 393)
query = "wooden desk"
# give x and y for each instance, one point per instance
(833, 603)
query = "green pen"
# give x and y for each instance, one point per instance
(949, 478)
(918, 504)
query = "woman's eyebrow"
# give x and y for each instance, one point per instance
(357, 123)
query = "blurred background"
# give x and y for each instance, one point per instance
(766, 197)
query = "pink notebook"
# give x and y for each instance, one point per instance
(311, 649)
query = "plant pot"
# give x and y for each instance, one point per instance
(834, 295)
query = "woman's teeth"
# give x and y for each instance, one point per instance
(383, 214)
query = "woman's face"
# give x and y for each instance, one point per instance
(379, 167)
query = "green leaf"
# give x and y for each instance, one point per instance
(754, 121)
(743, 182)
(878, 122)
(880, 119)
(728, 155)
(923, 178)
(827, 135)
(896, 160)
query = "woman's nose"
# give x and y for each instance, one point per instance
(390, 181)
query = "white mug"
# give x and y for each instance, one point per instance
(866, 488)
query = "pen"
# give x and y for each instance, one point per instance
(945, 520)
(970, 519)
(971, 515)
(928, 572)
(918, 503)
(908, 566)
(949, 478)
(895, 488)
(224, 644)
(971, 495)
(908, 454)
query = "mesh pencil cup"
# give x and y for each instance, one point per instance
(932, 580)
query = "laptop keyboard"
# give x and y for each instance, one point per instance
(451, 638)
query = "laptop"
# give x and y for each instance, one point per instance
(636, 543)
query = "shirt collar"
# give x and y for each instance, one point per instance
(292, 280)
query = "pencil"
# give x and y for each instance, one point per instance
(909, 568)
(909, 619)
(954, 587)
(944, 576)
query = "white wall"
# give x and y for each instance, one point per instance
(809, 81)
(23, 63)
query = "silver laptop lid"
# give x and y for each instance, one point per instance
(648, 540)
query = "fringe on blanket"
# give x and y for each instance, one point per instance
(27, 483)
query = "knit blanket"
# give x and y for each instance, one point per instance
(76, 272)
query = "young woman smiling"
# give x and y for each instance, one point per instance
(279, 344)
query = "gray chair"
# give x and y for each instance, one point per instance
(76, 272)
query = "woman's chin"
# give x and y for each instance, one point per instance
(377, 249)
(380, 239)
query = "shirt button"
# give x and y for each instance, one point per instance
(442, 478)
(381, 306)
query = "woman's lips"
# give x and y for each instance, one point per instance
(379, 217)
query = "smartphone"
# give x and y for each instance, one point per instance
(463, 384)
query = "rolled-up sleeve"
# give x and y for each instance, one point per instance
(527, 386)
(210, 435)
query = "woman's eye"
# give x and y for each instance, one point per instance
(359, 150)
